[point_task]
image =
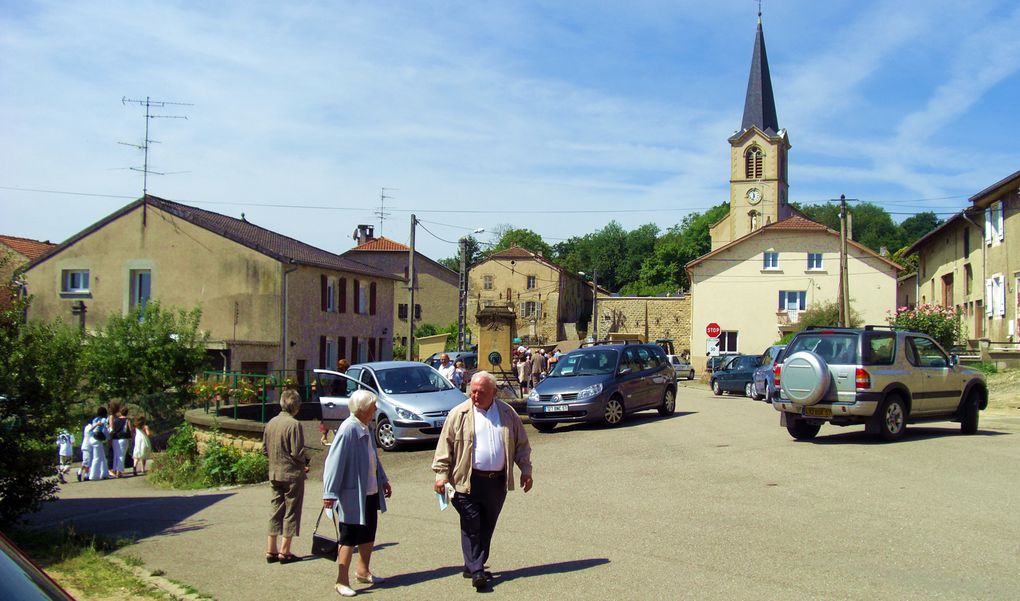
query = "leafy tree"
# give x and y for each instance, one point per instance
(909, 262)
(614, 254)
(474, 253)
(871, 224)
(523, 237)
(943, 324)
(822, 314)
(148, 357)
(40, 369)
(916, 226)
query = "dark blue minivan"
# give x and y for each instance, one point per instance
(603, 383)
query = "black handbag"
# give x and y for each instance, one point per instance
(322, 545)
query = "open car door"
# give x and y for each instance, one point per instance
(335, 390)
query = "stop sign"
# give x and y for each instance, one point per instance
(713, 330)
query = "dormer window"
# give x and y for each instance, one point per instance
(754, 160)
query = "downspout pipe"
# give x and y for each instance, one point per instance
(285, 342)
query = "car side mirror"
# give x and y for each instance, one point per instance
(954, 360)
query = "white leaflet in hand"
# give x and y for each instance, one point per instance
(442, 501)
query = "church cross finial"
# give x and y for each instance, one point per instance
(759, 12)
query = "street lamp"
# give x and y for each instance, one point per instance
(463, 290)
(594, 302)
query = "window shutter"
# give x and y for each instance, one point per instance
(998, 218)
(802, 297)
(782, 300)
(354, 349)
(322, 352)
(371, 349)
(402, 311)
(989, 297)
(371, 299)
(417, 311)
(538, 309)
(357, 295)
(343, 295)
(341, 347)
(1000, 296)
(988, 226)
(322, 291)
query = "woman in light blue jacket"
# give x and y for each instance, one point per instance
(353, 477)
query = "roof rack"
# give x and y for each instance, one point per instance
(889, 327)
(601, 342)
(828, 328)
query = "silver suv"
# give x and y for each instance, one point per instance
(876, 376)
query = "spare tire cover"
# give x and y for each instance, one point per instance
(804, 378)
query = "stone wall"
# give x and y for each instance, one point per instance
(243, 434)
(653, 317)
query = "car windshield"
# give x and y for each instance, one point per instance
(835, 348)
(585, 363)
(410, 380)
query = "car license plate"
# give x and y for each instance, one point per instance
(554, 408)
(818, 411)
(438, 423)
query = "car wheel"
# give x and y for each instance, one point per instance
(613, 413)
(749, 391)
(892, 419)
(716, 388)
(668, 405)
(690, 376)
(802, 430)
(544, 427)
(384, 435)
(969, 417)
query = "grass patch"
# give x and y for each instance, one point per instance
(79, 563)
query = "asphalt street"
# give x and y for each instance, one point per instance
(716, 502)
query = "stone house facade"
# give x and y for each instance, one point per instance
(268, 302)
(654, 317)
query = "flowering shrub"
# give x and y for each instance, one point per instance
(941, 323)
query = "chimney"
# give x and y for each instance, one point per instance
(364, 233)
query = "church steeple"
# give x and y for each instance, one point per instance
(760, 105)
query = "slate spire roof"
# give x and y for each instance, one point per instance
(760, 105)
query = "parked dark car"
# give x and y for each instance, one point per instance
(718, 362)
(735, 376)
(763, 388)
(603, 383)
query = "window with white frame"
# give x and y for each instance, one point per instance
(814, 261)
(532, 282)
(994, 232)
(728, 341)
(141, 288)
(487, 282)
(330, 353)
(331, 297)
(792, 300)
(770, 260)
(74, 280)
(531, 309)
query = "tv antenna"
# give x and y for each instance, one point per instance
(149, 104)
(381, 212)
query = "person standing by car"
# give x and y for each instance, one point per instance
(538, 367)
(446, 368)
(352, 479)
(481, 441)
(283, 443)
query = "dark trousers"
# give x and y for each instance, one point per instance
(479, 511)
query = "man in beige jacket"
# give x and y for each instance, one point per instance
(481, 441)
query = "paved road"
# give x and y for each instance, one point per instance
(716, 502)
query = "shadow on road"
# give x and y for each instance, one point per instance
(913, 434)
(127, 517)
(630, 421)
(400, 580)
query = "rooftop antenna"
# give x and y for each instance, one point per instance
(381, 212)
(149, 104)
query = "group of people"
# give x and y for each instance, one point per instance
(111, 432)
(533, 365)
(454, 372)
(481, 441)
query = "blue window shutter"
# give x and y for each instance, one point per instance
(782, 300)
(803, 299)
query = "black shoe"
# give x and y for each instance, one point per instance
(479, 581)
(79, 476)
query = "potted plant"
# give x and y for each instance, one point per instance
(245, 392)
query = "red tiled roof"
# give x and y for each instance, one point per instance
(383, 243)
(26, 247)
(795, 222)
(515, 252)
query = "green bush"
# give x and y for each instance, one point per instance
(182, 443)
(986, 368)
(941, 323)
(218, 463)
(251, 468)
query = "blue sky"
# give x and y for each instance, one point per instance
(477, 114)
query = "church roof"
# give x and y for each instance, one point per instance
(760, 104)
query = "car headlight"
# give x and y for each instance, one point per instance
(408, 416)
(589, 392)
(533, 395)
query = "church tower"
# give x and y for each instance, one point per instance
(758, 158)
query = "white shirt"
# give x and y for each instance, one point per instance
(373, 481)
(447, 371)
(490, 450)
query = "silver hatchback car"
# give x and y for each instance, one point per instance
(413, 399)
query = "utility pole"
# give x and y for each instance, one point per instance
(844, 292)
(410, 287)
(595, 303)
(462, 295)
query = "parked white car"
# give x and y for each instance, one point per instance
(681, 367)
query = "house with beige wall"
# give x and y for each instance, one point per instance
(268, 302)
(972, 263)
(436, 286)
(757, 287)
(548, 301)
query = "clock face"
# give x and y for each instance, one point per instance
(754, 196)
